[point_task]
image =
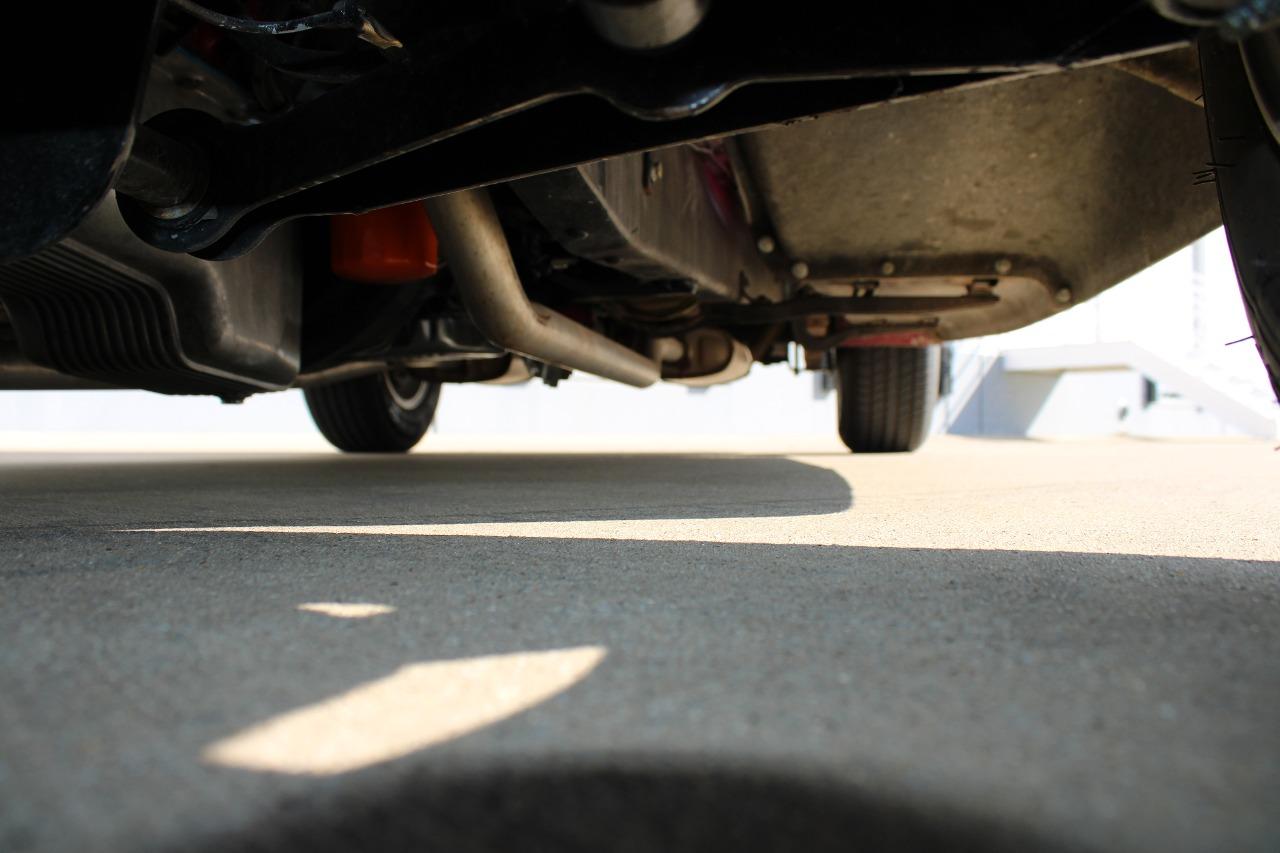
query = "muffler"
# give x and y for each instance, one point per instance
(473, 245)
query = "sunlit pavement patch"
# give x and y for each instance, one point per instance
(347, 610)
(418, 706)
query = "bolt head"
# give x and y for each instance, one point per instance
(1004, 266)
(1062, 295)
(888, 268)
(766, 244)
(800, 270)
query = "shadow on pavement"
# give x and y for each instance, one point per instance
(623, 805)
(419, 488)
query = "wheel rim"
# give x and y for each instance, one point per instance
(406, 390)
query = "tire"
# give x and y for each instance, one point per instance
(1246, 165)
(384, 413)
(885, 396)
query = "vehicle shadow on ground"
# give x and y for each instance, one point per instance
(329, 489)
(950, 697)
(624, 804)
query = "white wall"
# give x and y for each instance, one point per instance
(1043, 405)
(771, 401)
(1183, 314)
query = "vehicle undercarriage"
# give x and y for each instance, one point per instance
(368, 201)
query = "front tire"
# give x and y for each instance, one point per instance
(383, 413)
(885, 396)
(1246, 157)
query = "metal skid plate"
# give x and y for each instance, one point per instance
(1056, 186)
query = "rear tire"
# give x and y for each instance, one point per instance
(885, 396)
(384, 413)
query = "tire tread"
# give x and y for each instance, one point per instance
(886, 397)
(355, 416)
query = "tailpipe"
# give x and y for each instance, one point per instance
(472, 242)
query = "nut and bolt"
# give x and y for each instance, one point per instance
(1004, 266)
(766, 244)
(1062, 295)
(799, 270)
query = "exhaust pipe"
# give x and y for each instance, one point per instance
(474, 246)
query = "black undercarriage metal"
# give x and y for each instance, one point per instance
(358, 327)
(848, 332)
(450, 160)
(66, 131)
(440, 349)
(542, 92)
(657, 216)
(19, 373)
(162, 173)
(832, 306)
(1235, 21)
(102, 306)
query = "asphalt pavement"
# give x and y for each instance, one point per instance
(985, 645)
